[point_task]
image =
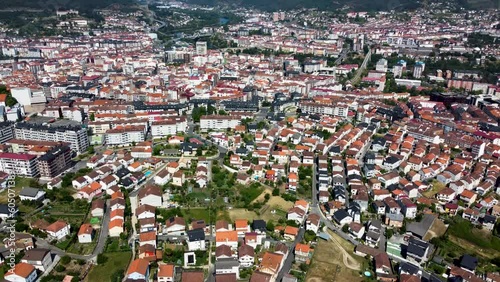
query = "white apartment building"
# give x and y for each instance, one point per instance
(74, 135)
(169, 126)
(122, 136)
(218, 122)
(339, 109)
(19, 164)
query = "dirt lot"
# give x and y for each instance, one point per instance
(328, 263)
(437, 229)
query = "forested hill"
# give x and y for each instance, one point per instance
(357, 5)
(52, 5)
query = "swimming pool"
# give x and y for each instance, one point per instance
(148, 173)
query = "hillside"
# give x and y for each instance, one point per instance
(82, 5)
(359, 5)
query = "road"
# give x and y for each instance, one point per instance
(103, 233)
(287, 265)
(359, 72)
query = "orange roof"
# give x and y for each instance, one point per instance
(147, 236)
(293, 176)
(301, 203)
(117, 194)
(302, 248)
(116, 223)
(467, 194)
(135, 164)
(138, 266)
(56, 226)
(21, 269)
(271, 261)
(241, 223)
(165, 270)
(85, 229)
(225, 236)
(291, 230)
(117, 213)
(270, 172)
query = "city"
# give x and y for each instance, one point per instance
(172, 141)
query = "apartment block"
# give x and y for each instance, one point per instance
(19, 164)
(74, 135)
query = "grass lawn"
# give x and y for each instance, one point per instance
(21, 182)
(84, 249)
(116, 262)
(483, 239)
(242, 214)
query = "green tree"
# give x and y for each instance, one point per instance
(65, 260)
(345, 228)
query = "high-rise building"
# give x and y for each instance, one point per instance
(6, 131)
(201, 48)
(75, 135)
(54, 162)
(19, 164)
(418, 69)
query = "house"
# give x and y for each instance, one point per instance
(489, 221)
(97, 208)
(166, 272)
(468, 263)
(147, 225)
(417, 251)
(175, 226)
(222, 225)
(342, 217)
(147, 238)
(40, 258)
(147, 252)
(468, 197)
(117, 214)
(22, 272)
(382, 264)
(471, 215)
(242, 226)
(151, 195)
(258, 276)
(297, 214)
(115, 227)
(356, 230)
(196, 239)
(394, 219)
(446, 195)
(223, 251)
(259, 226)
(372, 238)
(227, 266)
(117, 203)
(178, 178)
(109, 181)
(31, 194)
(138, 270)
(290, 232)
(408, 208)
(313, 222)
(246, 255)
(271, 263)
(303, 252)
(145, 211)
(229, 238)
(86, 233)
(58, 230)
(192, 276)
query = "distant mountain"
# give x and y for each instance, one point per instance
(357, 5)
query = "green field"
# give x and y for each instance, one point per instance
(116, 262)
